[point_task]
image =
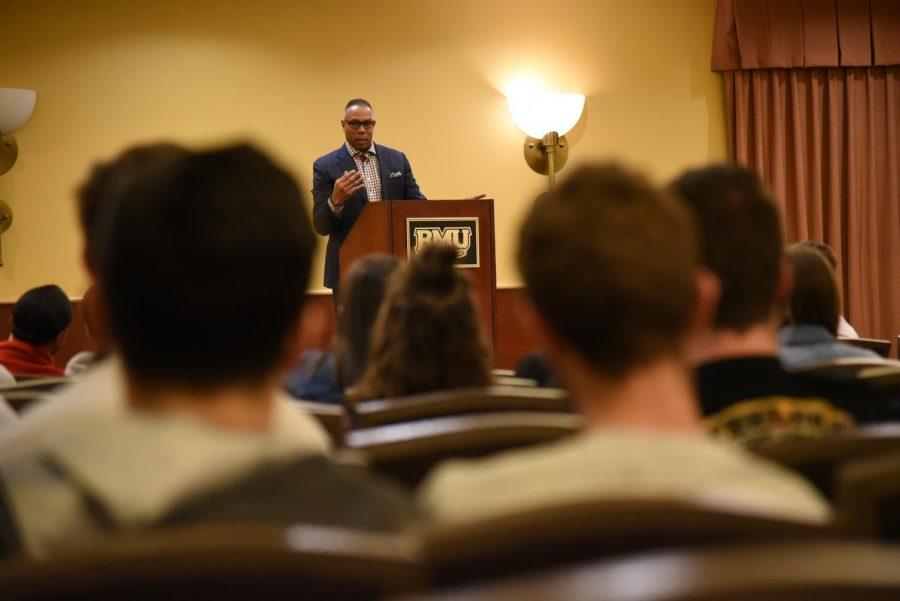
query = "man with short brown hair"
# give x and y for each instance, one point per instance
(610, 265)
(741, 241)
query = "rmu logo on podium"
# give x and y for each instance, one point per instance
(459, 232)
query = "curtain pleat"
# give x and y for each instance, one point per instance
(826, 141)
(766, 34)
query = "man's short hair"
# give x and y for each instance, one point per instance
(357, 102)
(609, 263)
(41, 314)
(206, 267)
(825, 250)
(741, 240)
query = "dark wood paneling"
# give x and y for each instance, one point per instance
(511, 340)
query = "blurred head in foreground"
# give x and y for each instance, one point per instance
(610, 264)
(204, 259)
(741, 241)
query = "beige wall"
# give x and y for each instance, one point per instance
(111, 73)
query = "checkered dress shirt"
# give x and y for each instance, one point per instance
(367, 164)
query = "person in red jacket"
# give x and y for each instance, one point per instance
(39, 322)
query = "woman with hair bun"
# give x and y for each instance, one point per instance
(427, 336)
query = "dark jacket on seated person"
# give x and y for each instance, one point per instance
(314, 378)
(726, 382)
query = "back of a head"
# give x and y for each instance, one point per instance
(609, 262)
(427, 336)
(814, 298)
(741, 240)
(41, 314)
(205, 268)
(363, 291)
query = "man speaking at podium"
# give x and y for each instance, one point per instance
(358, 172)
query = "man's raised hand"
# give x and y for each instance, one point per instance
(346, 186)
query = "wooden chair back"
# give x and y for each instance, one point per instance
(830, 570)
(24, 392)
(867, 497)
(846, 368)
(408, 450)
(459, 402)
(580, 531)
(882, 347)
(221, 563)
(819, 459)
(332, 417)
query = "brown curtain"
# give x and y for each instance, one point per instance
(813, 95)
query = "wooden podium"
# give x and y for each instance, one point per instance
(396, 227)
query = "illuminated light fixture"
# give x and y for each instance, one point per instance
(546, 118)
(15, 109)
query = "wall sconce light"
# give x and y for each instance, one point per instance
(15, 109)
(546, 118)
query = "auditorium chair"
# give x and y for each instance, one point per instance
(513, 381)
(882, 347)
(222, 563)
(28, 390)
(407, 451)
(503, 373)
(819, 459)
(781, 571)
(846, 367)
(458, 402)
(332, 417)
(867, 497)
(579, 531)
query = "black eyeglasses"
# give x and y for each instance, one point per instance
(354, 124)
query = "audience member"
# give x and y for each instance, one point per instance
(741, 241)
(101, 390)
(99, 338)
(632, 384)
(844, 329)
(200, 385)
(39, 321)
(427, 336)
(323, 375)
(813, 310)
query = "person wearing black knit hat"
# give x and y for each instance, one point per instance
(39, 321)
